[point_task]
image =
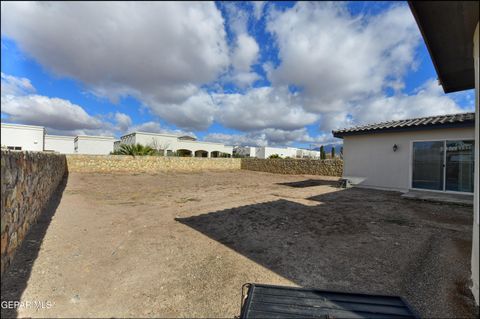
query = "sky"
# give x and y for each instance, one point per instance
(241, 73)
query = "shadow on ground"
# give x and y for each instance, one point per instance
(15, 279)
(357, 240)
(310, 183)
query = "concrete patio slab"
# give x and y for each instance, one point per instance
(460, 199)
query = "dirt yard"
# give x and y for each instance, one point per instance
(182, 245)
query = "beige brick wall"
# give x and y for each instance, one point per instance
(28, 181)
(149, 164)
(295, 166)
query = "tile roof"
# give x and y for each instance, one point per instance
(439, 121)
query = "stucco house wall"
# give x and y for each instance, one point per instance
(100, 145)
(60, 144)
(369, 159)
(28, 137)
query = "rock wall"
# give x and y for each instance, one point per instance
(149, 164)
(28, 181)
(294, 166)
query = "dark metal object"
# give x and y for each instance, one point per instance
(266, 301)
(430, 122)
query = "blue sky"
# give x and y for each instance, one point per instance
(252, 73)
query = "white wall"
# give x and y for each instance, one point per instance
(61, 144)
(370, 161)
(95, 145)
(267, 151)
(248, 151)
(29, 138)
(172, 143)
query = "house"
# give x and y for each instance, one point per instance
(60, 144)
(244, 151)
(22, 137)
(451, 32)
(94, 145)
(303, 153)
(267, 151)
(430, 153)
(182, 145)
(34, 138)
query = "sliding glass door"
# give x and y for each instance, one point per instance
(443, 165)
(459, 169)
(428, 165)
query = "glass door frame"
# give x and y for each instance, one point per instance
(410, 171)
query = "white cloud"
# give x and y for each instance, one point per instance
(246, 52)
(270, 137)
(50, 112)
(161, 53)
(165, 54)
(58, 115)
(261, 108)
(336, 58)
(258, 9)
(12, 85)
(429, 100)
(245, 48)
(196, 112)
(155, 127)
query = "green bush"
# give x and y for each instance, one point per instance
(274, 156)
(135, 150)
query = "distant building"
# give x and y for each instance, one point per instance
(60, 144)
(95, 145)
(34, 138)
(244, 151)
(283, 152)
(182, 145)
(22, 137)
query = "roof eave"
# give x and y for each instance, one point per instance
(463, 124)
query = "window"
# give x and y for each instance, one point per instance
(14, 148)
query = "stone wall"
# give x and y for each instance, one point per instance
(149, 164)
(294, 166)
(28, 181)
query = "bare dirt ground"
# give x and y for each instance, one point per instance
(182, 245)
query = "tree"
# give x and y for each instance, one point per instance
(322, 153)
(333, 152)
(160, 148)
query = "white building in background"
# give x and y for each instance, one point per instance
(283, 152)
(60, 144)
(308, 154)
(34, 138)
(182, 145)
(94, 145)
(244, 151)
(267, 151)
(22, 137)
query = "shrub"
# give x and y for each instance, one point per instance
(135, 150)
(274, 156)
